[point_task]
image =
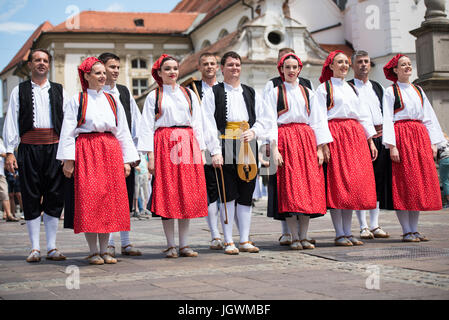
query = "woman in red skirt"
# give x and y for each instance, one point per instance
(172, 134)
(97, 149)
(349, 171)
(412, 133)
(299, 137)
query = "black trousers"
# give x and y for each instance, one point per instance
(236, 189)
(41, 180)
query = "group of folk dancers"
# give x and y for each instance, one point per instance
(345, 146)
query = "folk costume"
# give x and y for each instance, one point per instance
(349, 173)
(372, 94)
(96, 136)
(225, 109)
(211, 179)
(33, 123)
(133, 118)
(300, 126)
(272, 211)
(410, 124)
(172, 129)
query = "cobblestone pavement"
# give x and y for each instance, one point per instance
(382, 269)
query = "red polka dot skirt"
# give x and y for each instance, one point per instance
(179, 185)
(415, 183)
(101, 200)
(300, 181)
(350, 175)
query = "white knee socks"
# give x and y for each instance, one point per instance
(34, 229)
(373, 218)
(303, 226)
(244, 221)
(227, 228)
(169, 230)
(212, 220)
(413, 218)
(51, 227)
(337, 221)
(103, 239)
(285, 227)
(91, 239)
(361, 216)
(403, 217)
(347, 222)
(124, 239)
(183, 228)
(293, 225)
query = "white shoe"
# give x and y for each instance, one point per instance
(216, 244)
(285, 240)
(231, 249)
(296, 245)
(248, 247)
(379, 233)
(366, 234)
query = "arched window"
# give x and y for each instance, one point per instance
(243, 21)
(139, 64)
(223, 33)
(206, 43)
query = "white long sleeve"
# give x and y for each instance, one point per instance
(42, 114)
(413, 110)
(236, 112)
(347, 105)
(297, 113)
(99, 118)
(175, 112)
(136, 115)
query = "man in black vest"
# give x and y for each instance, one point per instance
(133, 116)
(272, 209)
(227, 108)
(371, 93)
(33, 123)
(208, 67)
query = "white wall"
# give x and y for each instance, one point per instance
(319, 14)
(71, 79)
(11, 82)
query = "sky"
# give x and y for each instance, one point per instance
(19, 18)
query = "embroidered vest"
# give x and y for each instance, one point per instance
(282, 102)
(82, 109)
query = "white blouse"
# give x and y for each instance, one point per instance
(413, 110)
(237, 112)
(347, 105)
(175, 112)
(42, 114)
(136, 116)
(297, 113)
(368, 95)
(99, 118)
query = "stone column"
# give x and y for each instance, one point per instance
(432, 47)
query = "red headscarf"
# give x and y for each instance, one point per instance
(281, 63)
(157, 66)
(327, 73)
(388, 69)
(86, 67)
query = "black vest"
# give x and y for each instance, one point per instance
(249, 95)
(26, 108)
(377, 89)
(302, 81)
(199, 87)
(124, 99)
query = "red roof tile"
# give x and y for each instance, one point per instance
(210, 7)
(23, 53)
(123, 22)
(343, 47)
